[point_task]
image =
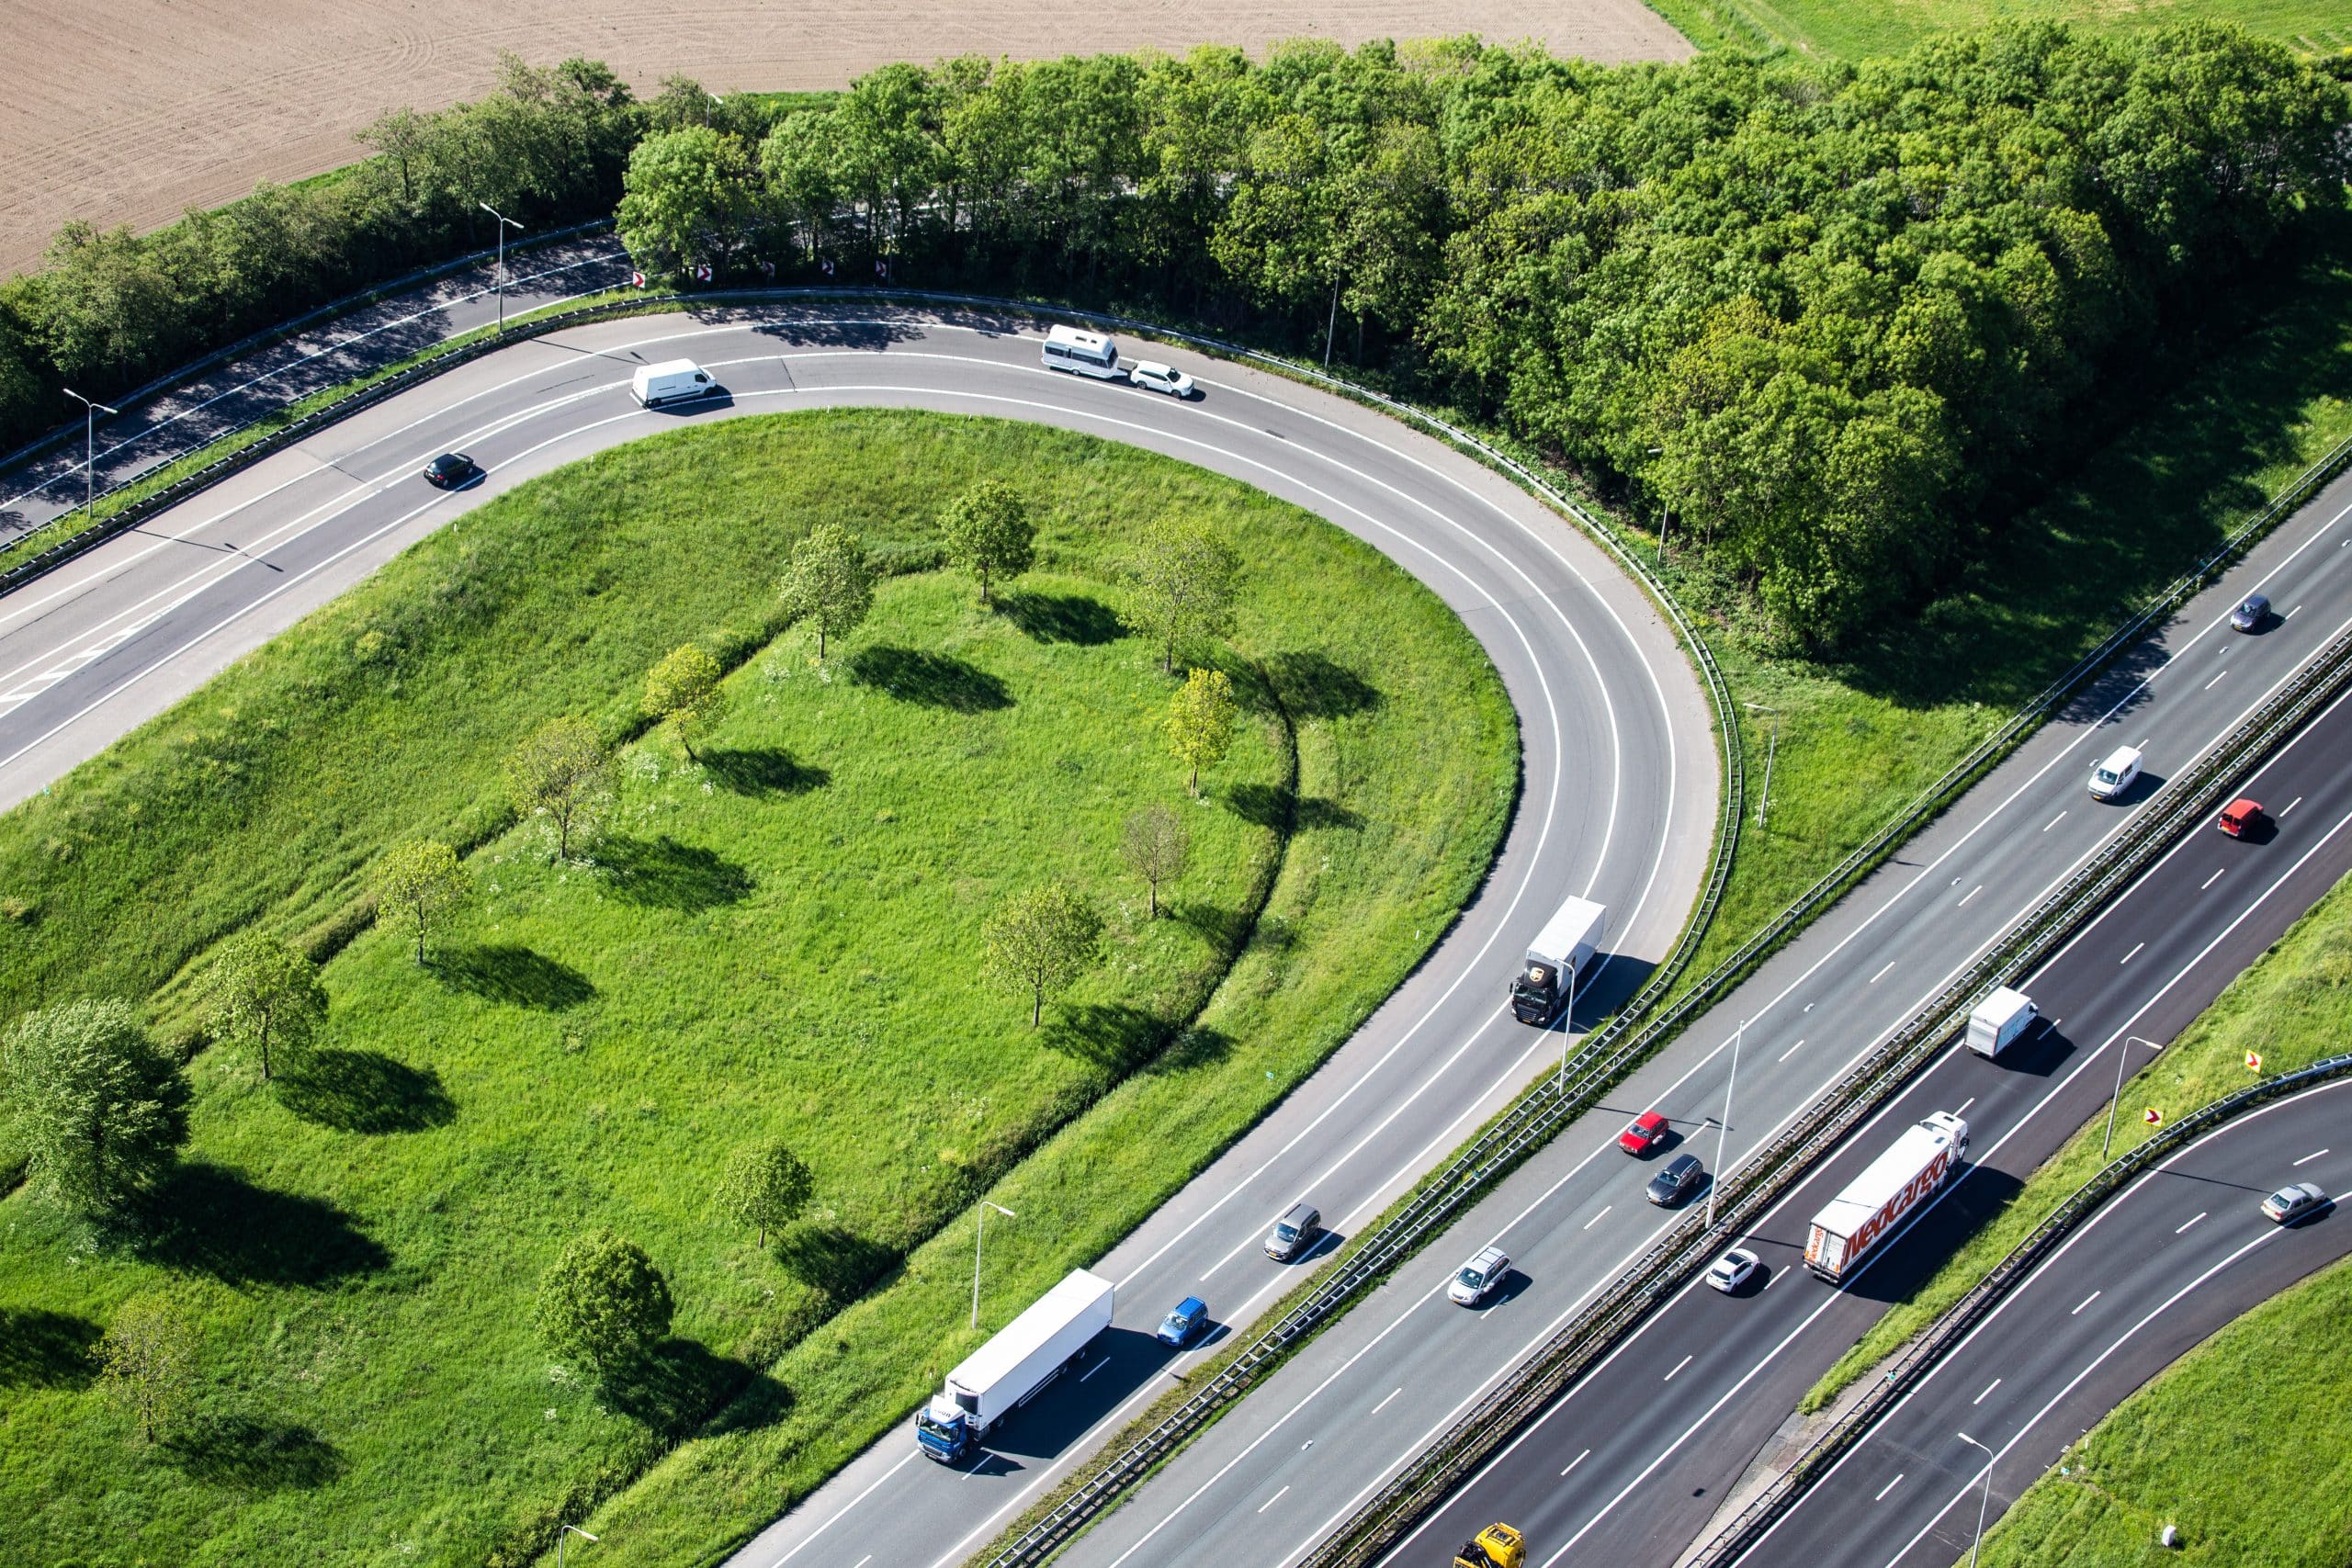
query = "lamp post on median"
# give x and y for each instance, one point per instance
(2122, 1051)
(90, 412)
(979, 1230)
(1771, 748)
(1723, 1128)
(571, 1530)
(1665, 520)
(499, 287)
(1983, 1500)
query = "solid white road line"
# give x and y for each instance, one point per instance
(2192, 1219)
(1887, 1488)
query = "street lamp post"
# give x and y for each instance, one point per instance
(1982, 1501)
(1771, 748)
(504, 224)
(2122, 1052)
(1723, 1128)
(979, 1230)
(567, 1529)
(90, 412)
(1667, 520)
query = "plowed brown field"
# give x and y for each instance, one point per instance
(125, 111)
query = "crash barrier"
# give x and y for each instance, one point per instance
(1941, 1337)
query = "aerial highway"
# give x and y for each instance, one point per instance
(1345, 1413)
(1618, 788)
(1653, 1439)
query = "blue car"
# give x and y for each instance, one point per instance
(1179, 1327)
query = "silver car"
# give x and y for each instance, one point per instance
(1476, 1280)
(1154, 376)
(2291, 1203)
(1295, 1234)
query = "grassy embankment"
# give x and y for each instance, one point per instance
(1856, 29)
(776, 942)
(2219, 1445)
(2292, 1007)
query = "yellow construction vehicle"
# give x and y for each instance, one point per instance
(1497, 1546)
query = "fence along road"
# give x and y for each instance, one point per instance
(1617, 793)
(1333, 1423)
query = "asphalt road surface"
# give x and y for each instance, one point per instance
(1619, 772)
(1267, 1482)
(2176, 1255)
(1651, 1440)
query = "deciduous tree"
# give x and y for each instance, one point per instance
(990, 532)
(829, 583)
(147, 1361)
(685, 688)
(1186, 577)
(1039, 941)
(1200, 722)
(685, 198)
(99, 1112)
(564, 770)
(418, 883)
(1157, 847)
(604, 1304)
(766, 1186)
(262, 992)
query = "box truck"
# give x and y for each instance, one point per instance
(1547, 982)
(672, 381)
(1006, 1373)
(1896, 1182)
(1999, 1022)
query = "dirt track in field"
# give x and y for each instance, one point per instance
(125, 111)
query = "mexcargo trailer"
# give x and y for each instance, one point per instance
(1853, 1223)
(1006, 1373)
(1547, 981)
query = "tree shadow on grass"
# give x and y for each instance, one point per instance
(1315, 686)
(929, 680)
(678, 1386)
(1279, 809)
(1111, 1035)
(663, 873)
(252, 1454)
(839, 1262)
(507, 972)
(365, 1091)
(1222, 929)
(1198, 1047)
(763, 771)
(39, 1349)
(1062, 617)
(210, 1219)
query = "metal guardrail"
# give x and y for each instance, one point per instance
(1779, 1168)
(1938, 1339)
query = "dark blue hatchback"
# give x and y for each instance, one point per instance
(1179, 1327)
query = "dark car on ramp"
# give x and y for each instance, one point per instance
(449, 470)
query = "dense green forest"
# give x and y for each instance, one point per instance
(1832, 319)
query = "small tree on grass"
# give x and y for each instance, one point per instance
(685, 688)
(1039, 942)
(564, 770)
(1200, 722)
(604, 1304)
(416, 884)
(766, 1186)
(99, 1114)
(1156, 847)
(829, 583)
(147, 1361)
(263, 992)
(988, 533)
(1186, 579)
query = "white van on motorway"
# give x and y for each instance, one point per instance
(2113, 779)
(671, 382)
(1086, 353)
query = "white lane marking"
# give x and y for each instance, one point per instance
(1273, 1500)
(853, 1502)
(1881, 974)
(1094, 1368)
(1384, 1403)
(2291, 806)
(1965, 1104)
(2084, 1303)
(2134, 953)
(2292, 614)
(2308, 1158)
(2213, 879)
(1887, 1488)
(1596, 1219)
(1772, 1279)
(1678, 1367)
(1578, 1461)
(2055, 820)
(2192, 1219)
(864, 1560)
(1972, 893)
(1792, 1050)
(1988, 1389)
(2215, 681)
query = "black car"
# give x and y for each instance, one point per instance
(449, 470)
(2252, 615)
(1678, 1180)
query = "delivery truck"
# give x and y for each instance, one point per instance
(1547, 981)
(1999, 1022)
(1898, 1182)
(1006, 1373)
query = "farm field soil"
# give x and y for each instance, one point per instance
(121, 113)
(774, 940)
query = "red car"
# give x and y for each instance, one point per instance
(1648, 1130)
(2240, 817)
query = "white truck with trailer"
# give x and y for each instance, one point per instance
(1999, 1022)
(1547, 981)
(1852, 1224)
(1006, 1373)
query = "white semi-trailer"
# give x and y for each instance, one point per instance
(1999, 1022)
(1898, 1182)
(1002, 1375)
(1547, 981)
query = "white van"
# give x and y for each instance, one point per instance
(1087, 354)
(1999, 1022)
(2113, 778)
(670, 382)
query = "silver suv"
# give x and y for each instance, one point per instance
(1295, 1234)
(1478, 1279)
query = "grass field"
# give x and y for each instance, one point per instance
(2219, 1445)
(1857, 29)
(776, 942)
(2293, 1006)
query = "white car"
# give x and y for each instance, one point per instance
(1733, 1270)
(1476, 1280)
(2113, 778)
(1157, 377)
